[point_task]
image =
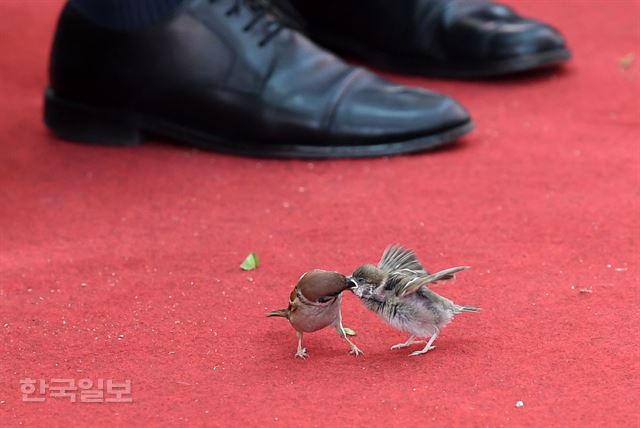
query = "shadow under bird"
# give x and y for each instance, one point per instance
(314, 304)
(397, 291)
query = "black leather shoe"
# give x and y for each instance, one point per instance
(445, 38)
(227, 75)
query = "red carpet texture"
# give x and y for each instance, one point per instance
(123, 263)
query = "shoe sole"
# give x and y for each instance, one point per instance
(418, 66)
(77, 122)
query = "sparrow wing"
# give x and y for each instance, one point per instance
(396, 258)
(321, 285)
(395, 281)
(410, 285)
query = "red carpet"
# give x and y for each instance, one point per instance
(122, 263)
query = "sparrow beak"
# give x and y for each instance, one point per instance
(352, 283)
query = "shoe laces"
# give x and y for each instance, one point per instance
(261, 10)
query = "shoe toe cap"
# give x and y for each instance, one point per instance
(382, 110)
(525, 39)
(497, 32)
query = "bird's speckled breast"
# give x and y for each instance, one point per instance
(308, 318)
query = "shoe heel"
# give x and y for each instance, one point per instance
(78, 122)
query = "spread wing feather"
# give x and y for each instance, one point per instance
(396, 258)
(410, 285)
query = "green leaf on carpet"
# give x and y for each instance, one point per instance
(349, 332)
(251, 262)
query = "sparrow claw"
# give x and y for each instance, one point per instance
(405, 344)
(399, 346)
(302, 353)
(422, 351)
(355, 351)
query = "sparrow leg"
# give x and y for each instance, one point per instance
(428, 346)
(302, 352)
(354, 349)
(409, 342)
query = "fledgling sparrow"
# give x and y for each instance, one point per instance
(396, 290)
(314, 304)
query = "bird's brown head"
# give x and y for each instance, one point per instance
(367, 278)
(321, 285)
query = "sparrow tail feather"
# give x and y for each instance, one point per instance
(467, 309)
(284, 313)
